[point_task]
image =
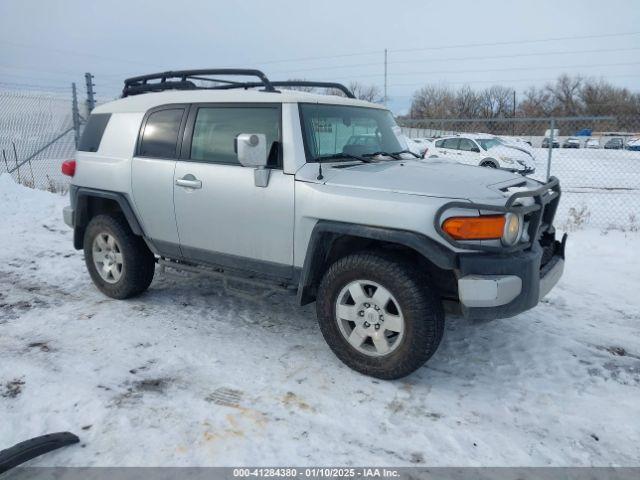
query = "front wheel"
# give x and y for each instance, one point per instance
(488, 164)
(119, 262)
(379, 315)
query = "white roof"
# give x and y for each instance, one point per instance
(145, 101)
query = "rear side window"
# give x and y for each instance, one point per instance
(160, 134)
(93, 131)
(216, 129)
(451, 143)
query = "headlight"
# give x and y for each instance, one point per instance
(511, 232)
(507, 159)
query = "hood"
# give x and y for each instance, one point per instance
(520, 155)
(432, 177)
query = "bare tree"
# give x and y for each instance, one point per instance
(369, 93)
(466, 102)
(537, 103)
(566, 95)
(433, 101)
(496, 101)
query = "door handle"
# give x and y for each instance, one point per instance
(189, 181)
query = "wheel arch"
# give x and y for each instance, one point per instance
(89, 202)
(331, 240)
(490, 160)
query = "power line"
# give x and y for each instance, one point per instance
(448, 59)
(465, 45)
(81, 54)
(437, 72)
(324, 57)
(517, 42)
(499, 81)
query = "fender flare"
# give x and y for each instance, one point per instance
(325, 232)
(79, 202)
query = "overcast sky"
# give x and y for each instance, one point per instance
(53, 42)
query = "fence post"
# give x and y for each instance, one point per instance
(91, 102)
(75, 115)
(15, 156)
(553, 126)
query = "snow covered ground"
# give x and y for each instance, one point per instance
(188, 374)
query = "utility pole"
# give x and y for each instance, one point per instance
(385, 77)
(513, 124)
(91, 102)
(75, 115)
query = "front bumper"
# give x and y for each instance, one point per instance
(501, 286)
(504, 281)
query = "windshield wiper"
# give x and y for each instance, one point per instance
(407, 151)
(394, 155)
(336, 156)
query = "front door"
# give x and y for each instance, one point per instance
(223, 218)
(468, 152)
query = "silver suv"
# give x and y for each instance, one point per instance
(278, 187)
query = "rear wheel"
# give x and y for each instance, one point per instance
(119, 262)
(379, 315)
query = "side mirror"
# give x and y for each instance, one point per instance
(252, 152)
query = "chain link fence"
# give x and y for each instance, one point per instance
(597, 160)
(37, 133)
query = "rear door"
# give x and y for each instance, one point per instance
(152, 172)
(448, 147)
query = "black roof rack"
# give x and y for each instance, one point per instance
(293, 83)
(183, 80)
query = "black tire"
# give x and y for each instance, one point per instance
(488, 164)
(421, 308)
(138, 262)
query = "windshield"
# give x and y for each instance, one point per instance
(335, 130)
(488, 143)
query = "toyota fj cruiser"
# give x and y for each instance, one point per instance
(257, 182)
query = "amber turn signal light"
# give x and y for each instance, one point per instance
(485, 227)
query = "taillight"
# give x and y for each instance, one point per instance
(69, 168)
(426, 150)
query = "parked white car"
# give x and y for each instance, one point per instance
(484, 151)
(592, 143)
(516, 142)
(421, 146)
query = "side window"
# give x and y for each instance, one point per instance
(440, 144)
(451, 143)
(93, 131)
(160, 135)
(467, 145)
(216, 129)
